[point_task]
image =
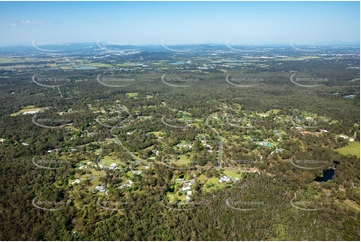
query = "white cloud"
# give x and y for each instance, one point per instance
(31, 22)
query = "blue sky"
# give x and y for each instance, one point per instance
(141, 23)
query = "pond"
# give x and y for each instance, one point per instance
(327, 174)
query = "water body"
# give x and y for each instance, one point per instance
(327, 174)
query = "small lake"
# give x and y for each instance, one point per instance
(327, 174)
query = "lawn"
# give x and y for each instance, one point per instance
(276, 111)
(202, 178)
(25, 109)
(353, 148)
(213, 184)
(232, 173)
(132, 94)
(108, 160)
(183, 160)
(173, 197)
(157, 133)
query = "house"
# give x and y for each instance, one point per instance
(76, 181)
(186, 187)
(265, 143)
(113, 166)
(234, 179)
(343, 136)
(224, 179)
(189, 193)
(100, 188)
(25, 144)
(277, 150)
(127, 184)
(136, 172)
(188, 199)
(90, 134)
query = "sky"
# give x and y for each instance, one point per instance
(143, 23)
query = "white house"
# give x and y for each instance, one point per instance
(186, 187)
(113, 166)
(127, 184)
(76, 181)
(100, 188)
(223, 179)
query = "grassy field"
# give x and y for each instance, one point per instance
(276, 111)
(25, 109)
(108, 160)
(213, 184)
(132, 94)
(157, 133)
(353, 148)
(202, 178)
(183, 160)
(233, 174)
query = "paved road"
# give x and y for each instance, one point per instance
(220, 144)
